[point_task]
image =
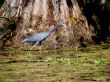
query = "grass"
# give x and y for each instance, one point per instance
(89, 64)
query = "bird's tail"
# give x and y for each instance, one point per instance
(23, 40)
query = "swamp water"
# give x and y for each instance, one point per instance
(91, 64)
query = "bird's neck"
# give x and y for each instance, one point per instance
(53, 29)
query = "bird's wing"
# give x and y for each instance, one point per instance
(40, 36)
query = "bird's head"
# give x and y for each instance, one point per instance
(57, 26)
(61, 25)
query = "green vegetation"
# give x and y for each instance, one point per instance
(91, 64)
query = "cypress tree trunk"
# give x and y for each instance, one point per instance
(35, 16)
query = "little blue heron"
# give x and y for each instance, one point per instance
(38, 38)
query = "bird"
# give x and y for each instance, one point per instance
(37, 39)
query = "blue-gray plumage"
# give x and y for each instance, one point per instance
(38, 38)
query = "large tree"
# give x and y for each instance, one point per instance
(34, 16)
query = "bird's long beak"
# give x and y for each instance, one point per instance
(65, 28)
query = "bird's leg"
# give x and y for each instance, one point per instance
(34, 45)
(40, 50)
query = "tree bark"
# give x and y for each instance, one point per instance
(38, 15)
